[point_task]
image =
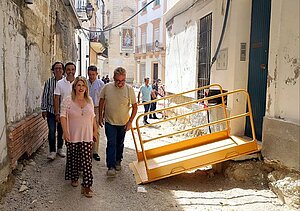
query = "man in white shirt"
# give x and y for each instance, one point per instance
(95, 86)
(62, 90)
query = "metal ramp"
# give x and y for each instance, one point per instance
(190, 135)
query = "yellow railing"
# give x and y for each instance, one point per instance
(139, 145)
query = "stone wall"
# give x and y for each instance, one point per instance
(32, 37)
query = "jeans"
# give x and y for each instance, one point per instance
(153, 107)
(146, 109)
(115, 144)
(53, 126)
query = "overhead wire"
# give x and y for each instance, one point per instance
(128, 19)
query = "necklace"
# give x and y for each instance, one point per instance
(81, 103)
(82, 111)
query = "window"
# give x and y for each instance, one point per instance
(144, 39)
(144, 4)
(204, 53)
(156, 2)
(142, 72)
(156, 34)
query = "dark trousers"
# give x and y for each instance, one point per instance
(146, 109)
(53, 126)
(153, 108)
(115, 144)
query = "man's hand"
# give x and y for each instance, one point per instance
(57, 118)
(128, 125)
(44, 114)
(101, 121)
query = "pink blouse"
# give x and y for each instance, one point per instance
(79, 120)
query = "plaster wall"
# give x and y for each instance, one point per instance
(284, 62)
(32, 37)
(3, 142)
(281, 127)
(182, 50)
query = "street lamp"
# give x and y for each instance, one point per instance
(89, 10)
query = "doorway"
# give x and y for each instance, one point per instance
(155, 72)
(258, 64)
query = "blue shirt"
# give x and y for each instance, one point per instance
(94, 90)
(146, 92)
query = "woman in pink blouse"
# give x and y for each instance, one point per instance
(79, 130)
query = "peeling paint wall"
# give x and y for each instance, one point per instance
(183, 49)
(284, 62)
(3, 142)
(281, 133)
(31, 38)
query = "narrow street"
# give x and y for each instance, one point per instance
(199, 190)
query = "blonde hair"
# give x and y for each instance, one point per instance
(86, 93)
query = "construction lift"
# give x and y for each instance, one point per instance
(186, 142)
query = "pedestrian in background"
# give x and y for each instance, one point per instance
(49, 113)
(80, 130)
(115, 101)
(154, 95)
(95, 86)
(106, 79)
(62, 90)
(146, 92)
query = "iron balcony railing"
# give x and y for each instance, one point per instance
(150, 47)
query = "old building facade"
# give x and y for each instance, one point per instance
(34, 36)
(258, 50)
(120, 40)
(150, 41)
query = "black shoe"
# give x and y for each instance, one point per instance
(146, 123)
(96, 156)
(155, 117)
(150, 117)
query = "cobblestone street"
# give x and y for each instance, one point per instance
(199, 190)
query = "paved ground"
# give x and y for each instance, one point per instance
(200, 190)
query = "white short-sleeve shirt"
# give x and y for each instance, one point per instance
(63, 88)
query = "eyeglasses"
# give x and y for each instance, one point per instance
(58, 68)
(120, 81)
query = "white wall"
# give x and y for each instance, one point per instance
(84, 52)
(147, 18)
(182, 52)
(284, 62)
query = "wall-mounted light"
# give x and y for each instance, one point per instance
(28, 1)
(89, 10)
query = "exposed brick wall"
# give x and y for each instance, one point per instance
(26, 136)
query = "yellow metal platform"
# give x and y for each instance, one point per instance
(175, 157)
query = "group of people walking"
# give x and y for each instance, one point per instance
(76, 108)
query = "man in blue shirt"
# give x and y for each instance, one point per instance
(95, 86)
(146, 91)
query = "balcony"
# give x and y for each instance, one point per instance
(150, 48)
(98, 42)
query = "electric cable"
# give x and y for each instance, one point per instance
(222, 34)
(128, 19)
